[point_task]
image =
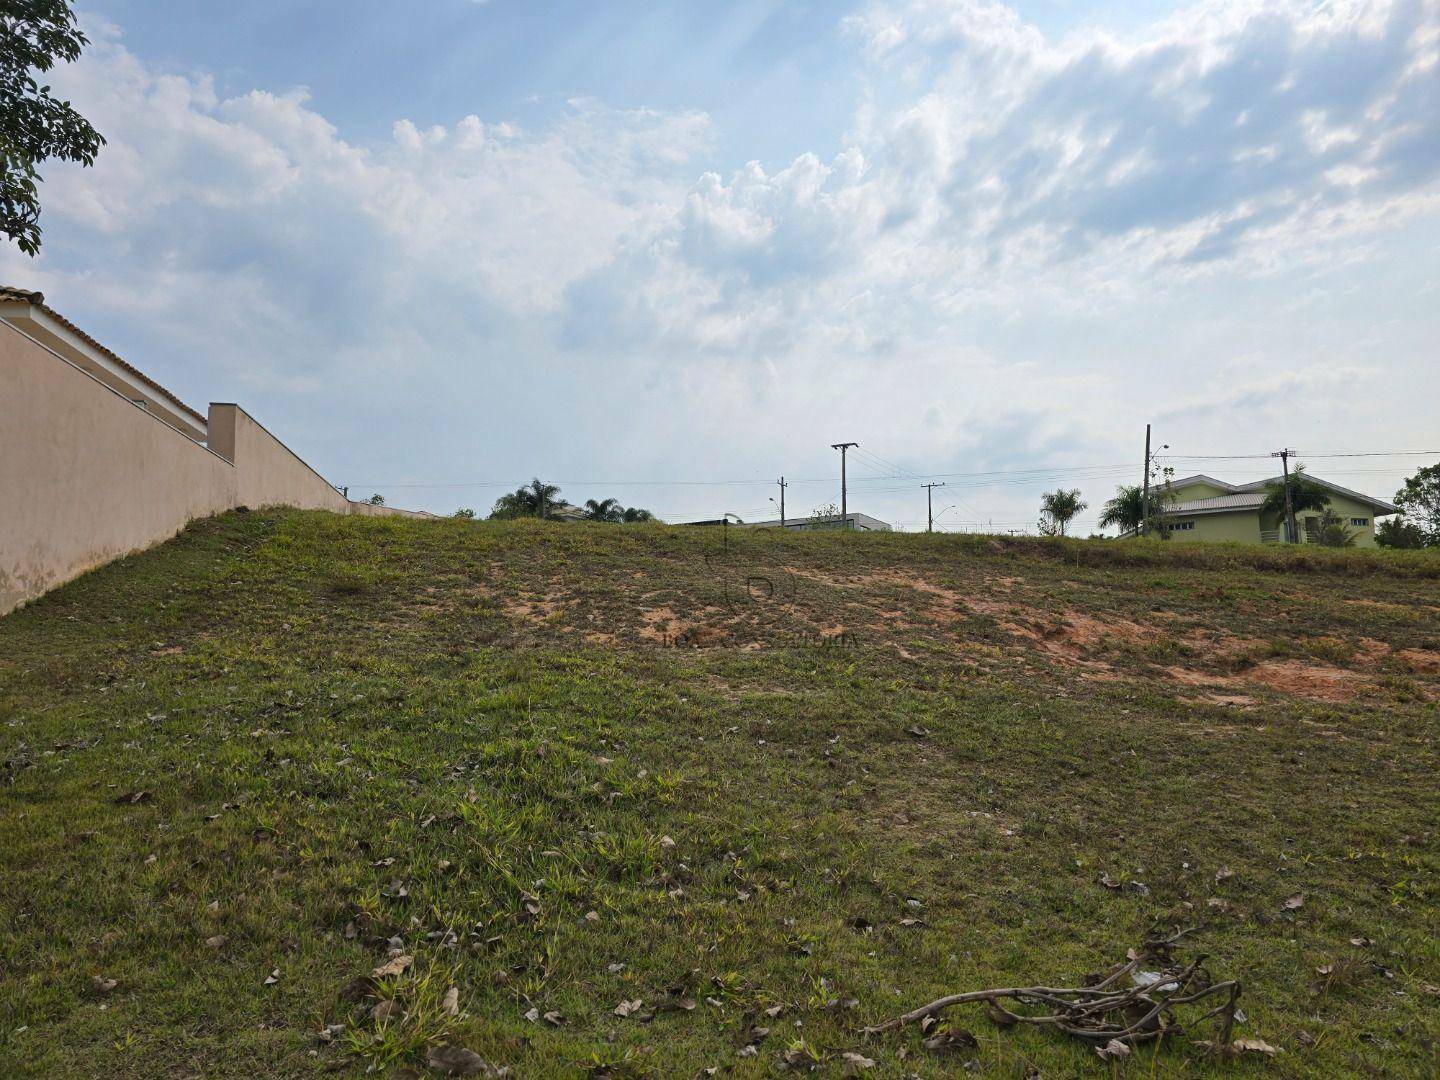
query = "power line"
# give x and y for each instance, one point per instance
(985, 478)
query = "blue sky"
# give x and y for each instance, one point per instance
(475, 242)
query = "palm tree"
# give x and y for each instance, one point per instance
(604, 510)
(535, 499)
(1305, 494)
(634, 515)
(1126, 511)
(1059, 507)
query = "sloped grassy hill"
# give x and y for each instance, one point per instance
(570, 767)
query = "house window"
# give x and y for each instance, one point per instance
(1360, 523)
(1183, 526)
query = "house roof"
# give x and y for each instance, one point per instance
(11, 294)
(1218, 504)
(1250, 496)
(1201, 478)
(1380, 505)
(864, 521)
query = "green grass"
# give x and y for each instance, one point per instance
(285, 738)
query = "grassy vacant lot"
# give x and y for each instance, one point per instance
(798, 782)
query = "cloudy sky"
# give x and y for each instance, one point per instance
(644, 247)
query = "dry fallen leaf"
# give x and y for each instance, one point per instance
(396, 966)
(1223, 874)
(1114, 1050)
(217, 941)
(273, 977)
(457, 1061)
(104, 985)
(384, 1010)
(626, 1008)
(856, 1062)
(1295, 902)
(450, 1003)
(950, 1040)
(1253, 1046)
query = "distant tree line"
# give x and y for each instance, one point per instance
(538, 499)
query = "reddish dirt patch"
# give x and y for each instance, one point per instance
(1284, 676)
(1370, 651)
(1307, 680)
(535, 607)
(1421, 661)
(1379, 605)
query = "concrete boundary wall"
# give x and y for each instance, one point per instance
(87, 475)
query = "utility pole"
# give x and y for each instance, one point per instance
(1145, 489)
(1284, 456)
(930, 504)
(844, 511)
(783, 486)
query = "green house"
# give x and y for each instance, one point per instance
(1203, 508)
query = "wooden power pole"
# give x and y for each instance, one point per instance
(930, 504)
(783, 486)
(844, 510)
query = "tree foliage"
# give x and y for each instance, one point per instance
(539, 499)
(464, 513)
(535, 499)
(1420, 501)
(1396, 532)
(604, 510)
(34, 125)
(1333, 531)
(1306, 493)
(1057, 509)
(1126, 511)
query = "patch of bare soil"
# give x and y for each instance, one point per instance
(1370, 651)
(1307, 679)
(1073, 634)
(1420, 661)
(1378, 605)
(1298, 677)
(534, 608)
(663, 626)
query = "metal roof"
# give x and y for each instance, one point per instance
(1218, 504)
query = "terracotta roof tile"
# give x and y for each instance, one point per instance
(36, 299)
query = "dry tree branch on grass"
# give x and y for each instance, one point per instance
(1124, 1005)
